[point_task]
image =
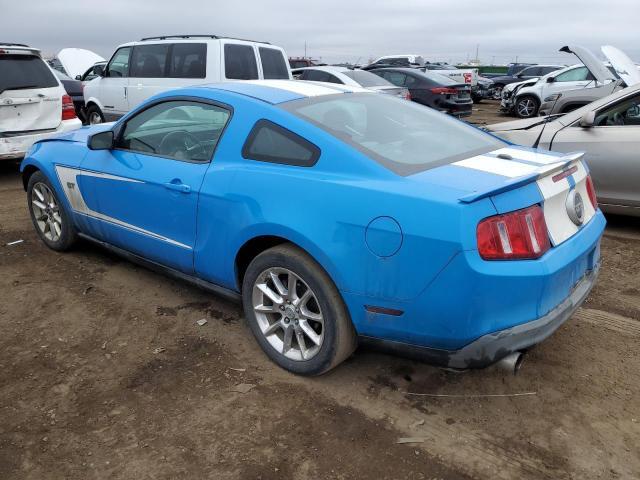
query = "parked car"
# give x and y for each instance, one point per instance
(139, 70)
(620, 66)
(459, 75)
(414, 224)
(73, 62)
(431, 89)
(484, 89)
(512, 69)
(75, 91)
(608, 130)
(579, 84)
(301, 62)
(527, 73)
(91, 72)
(33, 102)
(396, 61)
(346, 76)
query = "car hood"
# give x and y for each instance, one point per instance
(76, 61)
(494, 172)
(595, 65)
(623, 65)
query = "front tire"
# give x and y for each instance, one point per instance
(527, 106)
(49, 216)
(296, 312)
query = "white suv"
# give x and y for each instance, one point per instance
(33, 102)
(138, 70)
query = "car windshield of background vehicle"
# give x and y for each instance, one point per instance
(403, 136)
(20, 72)
(274, 66)
(366, 79)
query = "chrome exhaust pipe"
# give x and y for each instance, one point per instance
(512, 362)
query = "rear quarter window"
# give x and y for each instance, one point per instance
(274, 65)
(268, 142)
(24, 72)
(240, 62)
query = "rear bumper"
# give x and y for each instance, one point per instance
(494, 346)
(16, 147)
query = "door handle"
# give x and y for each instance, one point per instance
(178, 186)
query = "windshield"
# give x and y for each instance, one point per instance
(403, 136)
(24, 71)
(367, 79)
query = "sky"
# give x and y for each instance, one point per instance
(338, 30)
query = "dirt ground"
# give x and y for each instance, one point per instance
(104, 374)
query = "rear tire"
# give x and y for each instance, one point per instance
(300, 299)
(94, 115)
(49, 216)
(526, 106)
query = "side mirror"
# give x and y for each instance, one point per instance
(101, 141)
(78, 77)
(99, 70)
(588, 119)
(551, 79)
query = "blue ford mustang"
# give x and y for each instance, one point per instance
(335, 215)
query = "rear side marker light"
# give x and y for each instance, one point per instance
(68, 110)
(565, 174)
(591, 191)
(516, 235)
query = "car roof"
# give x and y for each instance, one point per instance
(18, 48)
(280, 91)
(191, 39)
(326, 68)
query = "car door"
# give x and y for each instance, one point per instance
(142, 195)
(148, 73)
(612, 149)
(578, 77)
(114, 85)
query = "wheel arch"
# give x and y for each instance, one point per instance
(27, 172)
(258, 243)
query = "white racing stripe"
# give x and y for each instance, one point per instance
(308, 89)
(498, 166)
(529, 156)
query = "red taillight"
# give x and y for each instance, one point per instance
(516, 235)
(68, 110)
(591, 191)
(444, 91)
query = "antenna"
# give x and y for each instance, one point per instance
(546, 120)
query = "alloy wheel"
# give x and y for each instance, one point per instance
(94, 118)
(46, 211)
(526, 107)
(288, 313)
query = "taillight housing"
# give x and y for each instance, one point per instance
(68, 110)
(591, 191)
(444, 91)
(515, 235)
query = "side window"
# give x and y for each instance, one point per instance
(177, 129)
(575, 75)
(240, 62)
(316, 76)
(546, 70)
(119, 63)
(409, 81)
(274, 65)
(334, 79)
(531, 72)
(397, 78)
(269, 142)
(188, 60)
(149, 61)
(625, 112)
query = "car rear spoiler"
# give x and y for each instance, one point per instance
(562, 163)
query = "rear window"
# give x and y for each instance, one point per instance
(149, 61)
(366, 79)
(439, 79)
(21, 72)
(404, 137)
(272, 143)
(240, 62)
(274, 65)
(188, 60)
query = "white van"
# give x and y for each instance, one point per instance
(138, 70)
(33, 102)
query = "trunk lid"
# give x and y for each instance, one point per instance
(30, 94)
(623, 65)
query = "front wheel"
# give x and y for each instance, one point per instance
(527, 106)
(49, 216)
(94, 115)
(296, 312)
